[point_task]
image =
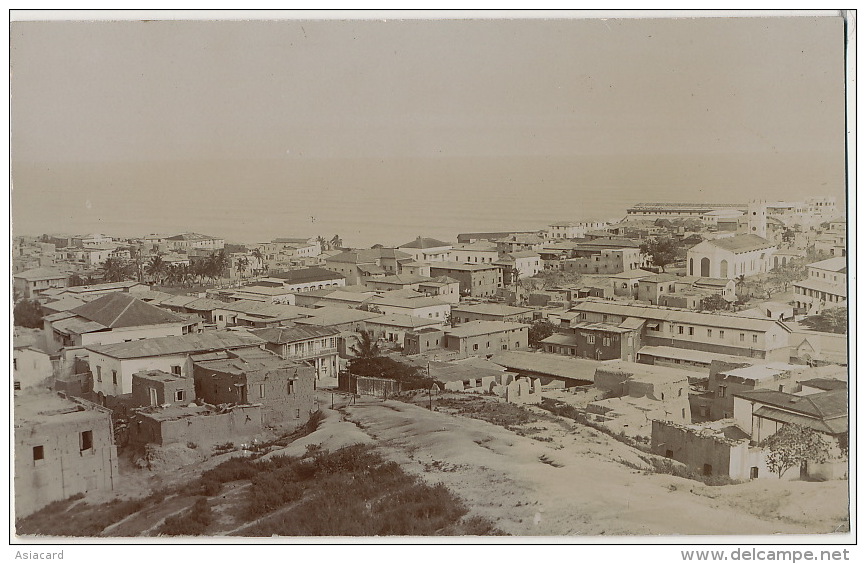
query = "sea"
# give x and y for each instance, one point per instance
(390, 201)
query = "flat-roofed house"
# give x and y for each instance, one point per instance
(313, 278)
(355, 265)
(486, 337)
(285, 389)
(825, 287)
(63, 446)
(479, 252)
(710, 332)
(476, 280)
(424, 307)
(112, 365)
(114, 318)
(444, 288)
(30, 283)
(490, 312)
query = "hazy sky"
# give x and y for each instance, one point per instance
(287, 90)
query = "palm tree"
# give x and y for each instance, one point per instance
(241, 265)
(323, 244)
(221, 263)
(114, 270)
(366, 347)
(336, 242)
(156, 268)
(260, 259)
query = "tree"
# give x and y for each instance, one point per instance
(662, 251)
(410, 377)
(76, 280)
(323, 244)
(156, 268)
(114, 270)
(241, 265)
(540, 330)
(28, 313)
(714, 302)
(794, 445)
(336, 242)
(260, 260)
(832, 320)
(367, 347)
(793, 271)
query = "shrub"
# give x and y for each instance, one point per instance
(190, 523)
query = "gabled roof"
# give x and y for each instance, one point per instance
(402, 279)
(327, 316)
(64, 304)
(120, 309)
(408, 303)
(450, 265)
(283, 335)
(190, 237)
(548, 364)
(424, 243)
(406, 321)
(107, 286)
(632, 274)
(241, 363)
(185, 344)
(365, 256)
(741, 243)
(439, 281)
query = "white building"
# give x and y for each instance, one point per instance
(730, 257)
(826, 286)
(480, 252)
(573, 229)
(425, 249)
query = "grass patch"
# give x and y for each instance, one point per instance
(499, 413)
(190, 523)
(680, 470)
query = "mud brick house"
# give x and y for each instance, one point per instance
(476, 280)
(155, 387)
(285, 389)
(63, 446)
(198, 424)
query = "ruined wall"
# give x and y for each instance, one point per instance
(237, 424)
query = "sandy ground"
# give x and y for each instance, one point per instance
(574, 486)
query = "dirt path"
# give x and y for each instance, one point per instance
(528, 487)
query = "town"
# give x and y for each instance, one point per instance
(182, 384)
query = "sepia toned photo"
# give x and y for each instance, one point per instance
(569, 276)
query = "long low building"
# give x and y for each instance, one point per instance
(671, 327)
(548, 367)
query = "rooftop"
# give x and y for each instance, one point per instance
(741, 243)
(243, 362)
(41, 274)
(407, 321)
(283, 335)
(363, 256)
(101, 287)
(327, 316)
(474, 328)
(41, 407)
(119, 309)
(304, 275)
(407, 303)
(158, 376)
(451, 265)
(548, 364)
(185, 344)
(835, 264)
(492, 309)
(424, 243)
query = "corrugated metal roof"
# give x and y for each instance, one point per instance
(119, 309)
(548, 364)
(832, 426)
(283, 335)
(197, 342)
(474, 328)
(741, 243)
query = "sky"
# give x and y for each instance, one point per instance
(312, 93)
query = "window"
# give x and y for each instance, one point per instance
(15, 364)
(606, 341)
(753, 472)
(16, 385)
(590, 339)
(742, 337)
(475, 347)
(99, 374)
(669, 453)
(691, 330)
(114, 377)
(86, 440)
(709, 332)
(261, 390)
(290, 388)
(504, 347)
(708, 470)
(721, 334)
(722, 390)
(178, 395)
(754, 338)
(680, 329)
(175, 370)
(38, 453)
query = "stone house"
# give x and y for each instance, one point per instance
(285, 389)
(157, 388)
(63, 446)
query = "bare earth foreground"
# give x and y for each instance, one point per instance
(561, 487)
(547, 477)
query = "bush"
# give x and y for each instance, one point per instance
(190, 523)
(28, 313)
